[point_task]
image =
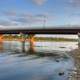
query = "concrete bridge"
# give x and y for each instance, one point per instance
(31, 33)
(58, 30)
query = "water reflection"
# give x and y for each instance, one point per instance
(47, 64)
(40, 46)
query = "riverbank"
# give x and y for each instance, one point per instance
(76, 55)
(41, 39)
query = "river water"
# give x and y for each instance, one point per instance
(15, 65)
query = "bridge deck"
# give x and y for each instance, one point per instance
(40, 31)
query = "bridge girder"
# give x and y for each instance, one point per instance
(40, 31)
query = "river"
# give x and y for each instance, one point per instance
(15, 65)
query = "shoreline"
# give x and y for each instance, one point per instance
(76, 56)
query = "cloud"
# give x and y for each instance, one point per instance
(10, 13)
(25, 20)
(25, 17)
(39, 2)
(75, 3)
(7, 23)
(22, 19)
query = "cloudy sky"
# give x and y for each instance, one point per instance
(38, 13)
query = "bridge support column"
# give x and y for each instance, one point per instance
(79, 40)
(31, 42)
(1, 36)
(1, 42)
(23, 41)
(23, 46)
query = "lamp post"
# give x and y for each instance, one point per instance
(43, 19)
(44, 22)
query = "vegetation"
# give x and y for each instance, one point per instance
(54, 39)
(14, 37)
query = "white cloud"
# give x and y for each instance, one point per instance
(39, 2)
(75, 2)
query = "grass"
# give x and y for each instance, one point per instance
(55, 39)
(44, 39)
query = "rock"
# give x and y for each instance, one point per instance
(61, 73)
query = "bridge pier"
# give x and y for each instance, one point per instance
(1, 42)
(31, 42)
(23, 41)
(1, 36)
(79, 40)
(23, 46)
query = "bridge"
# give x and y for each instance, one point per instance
(58, 30)
(31, 33)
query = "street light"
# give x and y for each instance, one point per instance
(44, 19)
